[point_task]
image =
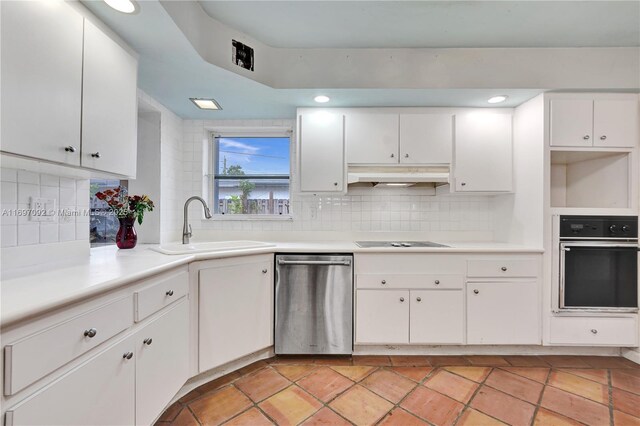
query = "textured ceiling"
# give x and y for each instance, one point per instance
(371, 24)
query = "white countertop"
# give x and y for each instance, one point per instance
(109, 268)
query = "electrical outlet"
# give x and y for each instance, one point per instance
(43, 209)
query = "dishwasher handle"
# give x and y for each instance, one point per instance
(346, 262)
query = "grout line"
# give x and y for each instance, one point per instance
(544, 387)
(610, 389)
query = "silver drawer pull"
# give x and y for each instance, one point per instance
(603, 137)
(436, 282)
(383, 282)
(70, 148)
(90, 332)
(127, 355)
(95, 155)
(594, 331)
(419, 299)
(148, 341)
(476, 291)
(169, 293)
(264, 271)
(504, 269)
(314, 262)
(402, 299)
(586, 137)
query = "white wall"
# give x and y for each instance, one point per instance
(171, 177)
(519, 216)
(362, 213)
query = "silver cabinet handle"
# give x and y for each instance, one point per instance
(406, 156)
(90, 332)
(594, 331)
(402, 299)
(335, 183)
(603, 137)
(503, 269)
(70, 148)
(436, 282)
(169, 293)
(314, 262)
(264, 271)
(383, 282)
(96, 155)
(419, 299)
(148, 341)
(586, 137)
(393, 155)
(476, 291)
(463, 184)
(127, 355)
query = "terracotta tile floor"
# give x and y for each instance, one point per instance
(418, 390)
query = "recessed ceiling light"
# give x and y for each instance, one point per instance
(124, 6)
(322, 99)
(206, 103)
(497, 99)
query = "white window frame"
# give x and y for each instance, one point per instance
(239, 132)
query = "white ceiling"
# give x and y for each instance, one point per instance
(171, 71)
(377, 24)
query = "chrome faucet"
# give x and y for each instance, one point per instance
(186, 228)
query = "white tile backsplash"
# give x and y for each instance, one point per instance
(18, 189)
(361, 210)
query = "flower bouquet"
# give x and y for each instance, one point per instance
(127, 208)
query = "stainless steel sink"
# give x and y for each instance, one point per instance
(397, 244)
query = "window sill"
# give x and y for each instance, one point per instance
(249, 217)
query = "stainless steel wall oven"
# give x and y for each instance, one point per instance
(599, 263)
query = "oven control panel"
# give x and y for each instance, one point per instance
(610, 227)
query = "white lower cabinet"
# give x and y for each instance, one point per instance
(235, 310)
(382, 316)
(503, 313)
(436, 317)
(162, 362)
(100, 391)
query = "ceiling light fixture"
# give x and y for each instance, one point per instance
(124, 6)
(202, 103)
(497, 99)
(322, 99)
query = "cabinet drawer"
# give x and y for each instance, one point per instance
(164, 292)
(593, 331)
(24, 360)
(418, 281)
(502, 268)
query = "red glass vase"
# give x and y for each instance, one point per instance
(126, 238)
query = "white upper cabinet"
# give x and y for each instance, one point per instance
(615, 123)
(322, 162)
(426, 138)
(41, 80)
(588, 122)
(483, 159)
(571, 122)
(372, 138)
(109, 105)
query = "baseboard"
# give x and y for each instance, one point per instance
(631, 355)
(485, 350)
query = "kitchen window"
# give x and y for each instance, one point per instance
(251, 175)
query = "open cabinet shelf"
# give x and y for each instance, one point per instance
(590, 179)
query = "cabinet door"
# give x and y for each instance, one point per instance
(371, 138)
(483, 152)
(504, 313)
(109, 105)
(235, 311)
(99, 392)
(615, 123)
(322, 162)
(382, 316)
(162, 366)
(571, 122)
(437, 316)
(41, 80)
(426, 138)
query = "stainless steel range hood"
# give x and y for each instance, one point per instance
(394, 175)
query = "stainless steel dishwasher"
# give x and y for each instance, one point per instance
(314, 304)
